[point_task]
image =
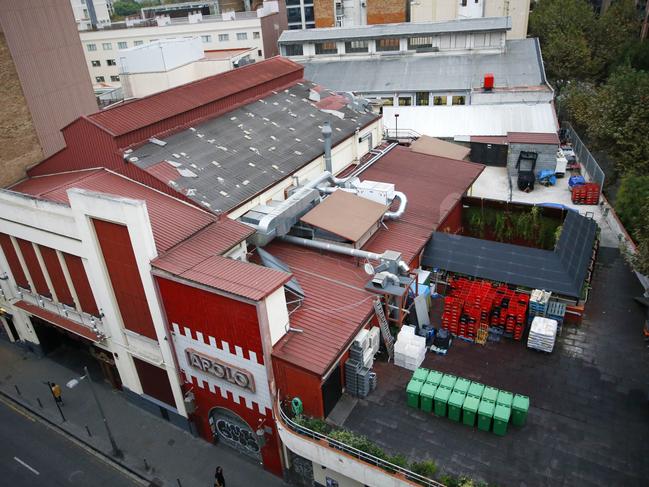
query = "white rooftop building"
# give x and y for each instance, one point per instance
(161, 65)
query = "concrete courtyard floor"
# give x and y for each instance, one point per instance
(588, 423)
(493, 183)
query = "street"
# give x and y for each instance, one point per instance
(32, 454)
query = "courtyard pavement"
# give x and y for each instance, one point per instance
(588, 423)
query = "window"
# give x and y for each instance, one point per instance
(95, 64)
(439, 100)
(224, 37)
(100, 79)
(309, 15)
(356, 46)
(255, 35)
(422, 98)
(405, 101)
(206, 39)
(463, 3)
(294, 15)
(138, 43)
(122, 45)
(259, 53)
(91, 47)
(387, 102)
(326, 48)
(458, 100)
(242, 36)
(293, 50)
(293, 2)
(107, 46)
(420, 43)
(387, 45)
(114, 78)
(111, 62)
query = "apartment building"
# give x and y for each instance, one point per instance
(305, 14)
(257, 30)
(92, 14)
(436, 11)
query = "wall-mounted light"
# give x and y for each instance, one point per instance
(4, 277)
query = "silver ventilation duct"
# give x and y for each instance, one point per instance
(391, 259)
(326, 135)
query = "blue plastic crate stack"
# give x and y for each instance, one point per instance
(539, 301)
(556, 311)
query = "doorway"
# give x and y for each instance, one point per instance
(9, 328)
(332, 390)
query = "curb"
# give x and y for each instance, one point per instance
(125, 469)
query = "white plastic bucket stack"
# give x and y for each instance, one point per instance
(543, 334)
(409, 349)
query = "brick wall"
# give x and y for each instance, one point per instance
(323, 10)
(386, 11)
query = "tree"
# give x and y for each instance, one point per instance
(631, 202)
(563, 28)
(618, 119)
(640, 260)
(126, 7)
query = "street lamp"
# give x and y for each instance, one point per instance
(396, 126)
(75, 382)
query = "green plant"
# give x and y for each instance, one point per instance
(314, 424)
(476, 223)
(500, 227)
(426, 468)
(557, 234)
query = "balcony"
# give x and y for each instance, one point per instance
(344, 459)
(59, 314)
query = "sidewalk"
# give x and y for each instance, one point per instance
(175, 458)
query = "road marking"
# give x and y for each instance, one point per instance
(19, 411)
(33, 470)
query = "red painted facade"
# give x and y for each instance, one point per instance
(121, 265)
(154, 381)
(57, 277)
(224, 319)
(293, 382)
(453, 221)
(34, 267)
(81, 285)
(12, 260)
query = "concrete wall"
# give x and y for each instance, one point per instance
(546, 160)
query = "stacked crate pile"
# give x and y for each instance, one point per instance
(472, 307)
(586, 194)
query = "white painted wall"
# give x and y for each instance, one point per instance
(277, 315)
(145, 35)
(163, 55)
(322, 473)
(81, 13)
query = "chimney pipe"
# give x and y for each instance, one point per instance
(326, 135)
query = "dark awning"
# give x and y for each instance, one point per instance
(561, 271)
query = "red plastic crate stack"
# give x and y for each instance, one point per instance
(473, 305)
(586, 194)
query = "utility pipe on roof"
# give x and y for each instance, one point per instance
(403, 203)
(340, 249)
(326, 135)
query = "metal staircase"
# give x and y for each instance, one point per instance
(385, 328)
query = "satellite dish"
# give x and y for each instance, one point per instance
(369, 268)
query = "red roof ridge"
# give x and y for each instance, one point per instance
(91, 171)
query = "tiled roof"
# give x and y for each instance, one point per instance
(243, 279)
(172, 220)
(145, 111)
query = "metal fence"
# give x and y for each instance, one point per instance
(584, 157)
(361, 455)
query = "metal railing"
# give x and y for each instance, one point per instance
(390, 468)
(394, 134)
(584, 157)
(93, 323)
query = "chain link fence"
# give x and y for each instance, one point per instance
(584, 157)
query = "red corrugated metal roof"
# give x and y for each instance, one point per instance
(433, 185)
(334, 309)
(136, 114)
(533, 138)
(55, 319)
(489, 139)
(244, 279)
(172, 221)
(215, 239)
(336, 305)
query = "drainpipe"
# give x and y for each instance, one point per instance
(326, 135)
